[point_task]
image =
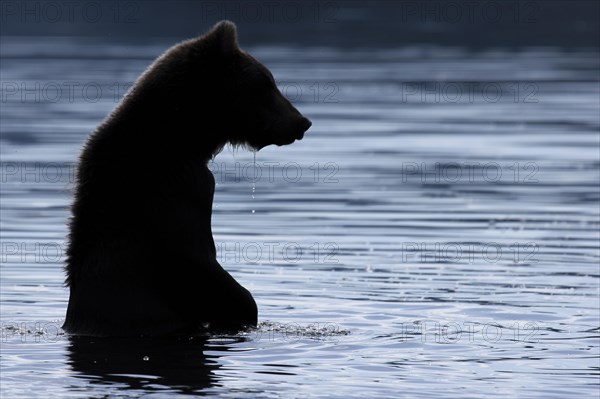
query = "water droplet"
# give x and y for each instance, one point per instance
(254, 179)
(255, 173)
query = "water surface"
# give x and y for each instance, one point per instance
(435, 234)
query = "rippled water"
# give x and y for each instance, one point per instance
(435, 234)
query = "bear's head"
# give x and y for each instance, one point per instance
(230, 90)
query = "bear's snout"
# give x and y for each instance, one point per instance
(304, 124)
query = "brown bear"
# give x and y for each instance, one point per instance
(141, 256)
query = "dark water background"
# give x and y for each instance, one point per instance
(434, 235)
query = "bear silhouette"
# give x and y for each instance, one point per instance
(141, 259)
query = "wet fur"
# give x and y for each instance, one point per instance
(141, 256)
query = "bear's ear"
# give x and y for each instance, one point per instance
(224, 37)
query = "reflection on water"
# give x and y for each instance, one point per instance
(144, 364)
(439, 222)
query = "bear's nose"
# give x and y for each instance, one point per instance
(306, 124)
